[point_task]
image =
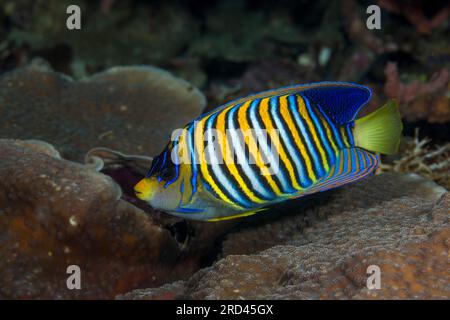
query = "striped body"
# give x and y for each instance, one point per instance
(259, 150)
(305, 142)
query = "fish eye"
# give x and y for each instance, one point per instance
(167, 173)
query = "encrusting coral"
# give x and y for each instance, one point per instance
(54, 212)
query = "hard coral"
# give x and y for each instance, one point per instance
(420, 101)
(55, 213)
(357, 30)
(413, 11)
(396, 222)
(119, 108)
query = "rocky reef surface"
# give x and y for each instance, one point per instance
(396, 222)
(141, 103)
(56, 211)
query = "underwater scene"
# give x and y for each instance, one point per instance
(224, 150)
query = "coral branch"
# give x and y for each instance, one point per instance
(415, 15)
(417, 100)
(419, 158)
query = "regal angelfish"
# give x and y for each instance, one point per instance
(313, 143)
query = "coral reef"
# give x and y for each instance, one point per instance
(117, 108)
(268, 73)
(55, 213)
(414, 12)
(417, 100)
(70, 200)
(418, 157)
(397, 222)
(128, 34)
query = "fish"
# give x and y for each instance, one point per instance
(277, 145)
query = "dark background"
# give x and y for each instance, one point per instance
(232, 48)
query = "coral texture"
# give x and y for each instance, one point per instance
(55, 213)
(420, 101)
(414, 12)
(110, 109)
(396, 222)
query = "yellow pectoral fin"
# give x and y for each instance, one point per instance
(239, 215)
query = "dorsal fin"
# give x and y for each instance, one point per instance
(341, 101)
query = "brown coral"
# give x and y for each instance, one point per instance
(55, 213)
(420, 101)
(397, 222)
(414, 13)
(117, 108)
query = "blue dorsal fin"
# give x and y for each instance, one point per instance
(341, 101)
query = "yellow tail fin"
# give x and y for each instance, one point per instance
(380, 131)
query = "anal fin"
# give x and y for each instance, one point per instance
(352, 164)
(239, 215)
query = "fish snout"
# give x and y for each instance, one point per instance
(144, 189)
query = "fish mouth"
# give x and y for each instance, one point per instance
(144, 189)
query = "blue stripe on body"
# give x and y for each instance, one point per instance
(268, 155)
(333, 128)
(319, 128)
(250, 173)
(274, 108)
(223, 180)
(190, 139)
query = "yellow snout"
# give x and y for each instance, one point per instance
(145, 188)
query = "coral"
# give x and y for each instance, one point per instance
(258, 77)
(248, 40)
(420, 101)
(414, 13)
(397, 222)
(357, 30)
(117, 108)
(418, 157)
(55, 213)
(166, 292)
(134, 33)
